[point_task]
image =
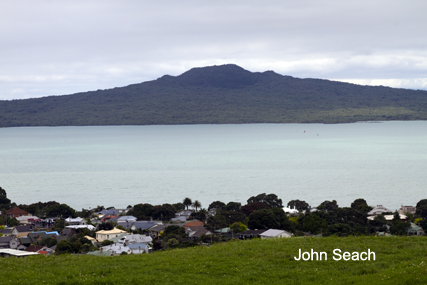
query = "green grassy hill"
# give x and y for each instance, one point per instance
(220, 95)
(399, 260)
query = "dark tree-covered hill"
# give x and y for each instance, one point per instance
(220, 95)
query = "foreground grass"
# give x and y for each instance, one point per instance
(399, 260)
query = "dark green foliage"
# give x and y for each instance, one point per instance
(187, 202)
(141, 211)
(327, 206)
(60, 210)
(4, 201)
(176, 230)
(270, 200)
(361, 205)
(106, 226)
(220, 95)
(314, 224)
(274, 218)
(178, 207)
(216, 205)
(106, 242)
(249, 208)
(301, 206)
(39, 209)
(200, 215)
(234, 206)
(422, 208)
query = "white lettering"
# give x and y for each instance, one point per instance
(337, 251)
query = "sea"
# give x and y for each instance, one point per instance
(384, 163)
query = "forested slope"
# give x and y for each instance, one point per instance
(220, 95)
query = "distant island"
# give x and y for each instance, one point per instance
(226, 94)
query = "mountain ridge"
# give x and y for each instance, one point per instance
(220, 95)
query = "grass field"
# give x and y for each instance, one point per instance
(399, 260)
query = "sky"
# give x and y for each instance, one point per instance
(63, 47)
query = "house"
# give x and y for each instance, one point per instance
(196, 232)
(379, 210)
(156, 230)
(249, 234)
(126, 219)
(290, 211)
(407, 209)
(139, 248)
(144, 225)
(23, 220)
(6, 232)
(76, 221)
(22, 231)
(415, 230)
(273, 233)
(195, 223)
(106, 235)
(14, 252)
(9, 242)
(182, 216)
(68, 232)
(33, 248)
(35, 237)
(116, 249)
(16, 212)
(130, 239)
(76, 227)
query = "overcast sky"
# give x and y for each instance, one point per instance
(68, 46)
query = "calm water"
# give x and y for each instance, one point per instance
(384, 163)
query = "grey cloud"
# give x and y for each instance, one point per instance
(61, 47)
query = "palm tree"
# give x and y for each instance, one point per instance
(187, 202)
(197, 204)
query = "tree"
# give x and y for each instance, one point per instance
(60, 210)
(197, 204)
(234, 206)
(200, 215)
(249, 208)
(271, 200)
(263, 219)
(187, 202)
(141, 211)
(216, 205)
(314, 224)
(422, 208)
(238, 227)
(64, 246)
(361, 205)
(327, 206)
(301, 206)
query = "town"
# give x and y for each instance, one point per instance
(54, 228)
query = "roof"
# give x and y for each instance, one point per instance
(6, 239)
(16, 252)
(143, 225)
(195, 223)
(90, 227)
(141, 245)
(16, 210)
(252, 232)
(274, 233)
(26, 228)
(33, 248)
(196, 232)
(126, 218)
(379, 209)
(113, 231)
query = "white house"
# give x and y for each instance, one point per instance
(272, 233)
(76, 221)
(105, 235)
